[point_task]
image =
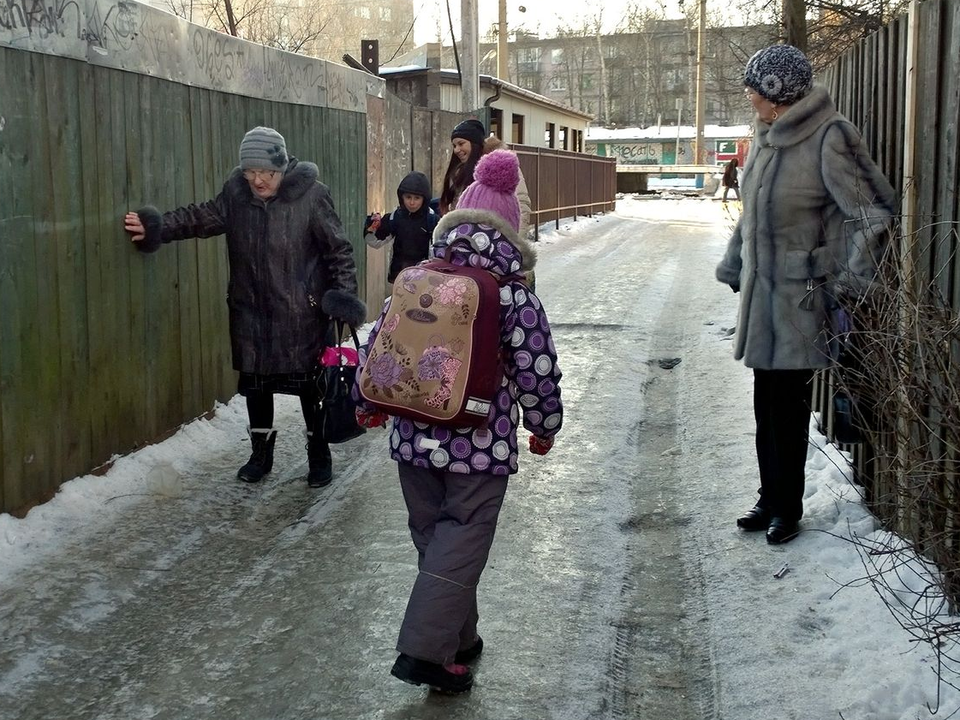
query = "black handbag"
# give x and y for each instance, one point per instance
(846, 427)
(337, 410)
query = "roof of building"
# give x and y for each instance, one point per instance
(452, 76)
(667, 132)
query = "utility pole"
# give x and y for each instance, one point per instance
(469, 55)
(503, 71)
(698, 148)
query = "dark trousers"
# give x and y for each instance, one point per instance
(260, 408)
(452, 519)
(781, 405)
(726, 189)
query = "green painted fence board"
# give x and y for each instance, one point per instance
(103, 348)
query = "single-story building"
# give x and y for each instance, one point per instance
(517, 115)
(669, 145)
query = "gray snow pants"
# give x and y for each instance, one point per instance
(452, 519)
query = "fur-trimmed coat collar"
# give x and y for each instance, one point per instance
(484, 220)
(802, 120)
(299, 177)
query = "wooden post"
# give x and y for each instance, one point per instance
(503, 71)
(701, 81)
(469, 60)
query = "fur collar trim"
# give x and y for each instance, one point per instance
(473, 216)
(299, 178)
(804, 118)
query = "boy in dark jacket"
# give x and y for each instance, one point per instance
(410, 225)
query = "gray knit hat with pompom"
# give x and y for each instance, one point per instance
(780, 73)
(263, 148)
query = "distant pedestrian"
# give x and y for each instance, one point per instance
(815, 214)
(291, 267)
(454, 480)
(731, 179)
(410, 226)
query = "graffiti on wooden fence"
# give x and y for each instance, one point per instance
(135, 37)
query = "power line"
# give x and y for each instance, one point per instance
(400, 46)
(456, 54)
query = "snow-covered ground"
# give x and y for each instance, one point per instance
(796, 627)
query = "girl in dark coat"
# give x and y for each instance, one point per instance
(454, 479)
(291, 267)
(731, 179)
(467, 142)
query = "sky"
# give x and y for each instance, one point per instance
(848, 650)
(542, 15)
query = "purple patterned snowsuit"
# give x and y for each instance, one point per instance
(454, 481)
(531, 375)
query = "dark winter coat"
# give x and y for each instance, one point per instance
(286, 254)
(411, 232)
(816, 210)
(731, 177)
(531, 382)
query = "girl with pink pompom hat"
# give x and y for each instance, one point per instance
(454, 480)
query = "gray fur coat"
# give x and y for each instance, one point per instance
(816, 210)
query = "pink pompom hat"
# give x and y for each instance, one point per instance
(494, 187)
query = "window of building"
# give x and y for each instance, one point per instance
(587, 81)
(558, 83)
(517, 136)
(528, 55)
(550, 136)
(386, 14)
(528, 59)
(556, 56)
(529, 81)
(563, 137)
(362, 12)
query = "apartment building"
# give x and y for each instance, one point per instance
(633, 79)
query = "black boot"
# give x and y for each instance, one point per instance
(321, 464)
(261, 458)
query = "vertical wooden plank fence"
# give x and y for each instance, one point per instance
(103, 349)
(869, 84)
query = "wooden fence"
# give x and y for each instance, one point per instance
(910, 124)
(566, 184)
(102, 348)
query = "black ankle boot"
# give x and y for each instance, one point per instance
(261, 458)
(321, 464)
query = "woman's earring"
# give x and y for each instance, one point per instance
(775, 113)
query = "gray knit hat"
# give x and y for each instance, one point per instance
(780, 73)
(263, 148)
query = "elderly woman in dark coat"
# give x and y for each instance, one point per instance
(291, 267)
(815, 214)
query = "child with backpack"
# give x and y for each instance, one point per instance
(410, 225)
(453, 477)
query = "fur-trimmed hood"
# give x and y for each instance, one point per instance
(488, 236)
(299, 177)
(493, 143)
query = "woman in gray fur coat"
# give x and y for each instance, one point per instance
(815, 214)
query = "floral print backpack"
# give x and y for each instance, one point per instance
(437, 358)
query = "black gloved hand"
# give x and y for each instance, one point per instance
(735, 288)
